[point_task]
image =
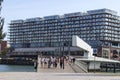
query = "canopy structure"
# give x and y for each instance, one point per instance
(78, 42)
(88, 55)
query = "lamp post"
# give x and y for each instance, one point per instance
(94, 61)
(63, 47)
(62, 44)
(94, 54)
(60, 40)
(69, 49)
(68, 42)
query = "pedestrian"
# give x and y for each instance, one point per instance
(67, 59)
(42, 61)
(45, 62)
(35, 65)
(49, 62)
(56, 61)
(73, 60)
(62, 62)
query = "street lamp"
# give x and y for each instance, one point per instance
(62, 44)
(94, 54)
(94, 60)
(68, 42)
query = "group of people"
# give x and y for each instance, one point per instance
(53, 62)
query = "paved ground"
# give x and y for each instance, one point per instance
(67, 69)
(56, 76)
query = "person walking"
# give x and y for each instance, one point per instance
(49, 62)
(56, 62)
(35, 65)
(62, 62)
(42, 62)
(45, 62)
(74, 60)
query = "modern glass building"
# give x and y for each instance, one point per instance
(53, 34)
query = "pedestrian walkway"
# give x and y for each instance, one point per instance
(67, 69)
(57, 76)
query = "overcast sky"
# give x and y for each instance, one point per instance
(22, 9)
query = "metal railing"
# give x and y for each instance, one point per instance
(82, 65)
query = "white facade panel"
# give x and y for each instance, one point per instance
(76, 41)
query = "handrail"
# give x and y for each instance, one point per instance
(82, 65)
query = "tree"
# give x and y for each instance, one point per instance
(4, 52)
(2, 35)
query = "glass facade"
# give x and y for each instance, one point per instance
(96, 27)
